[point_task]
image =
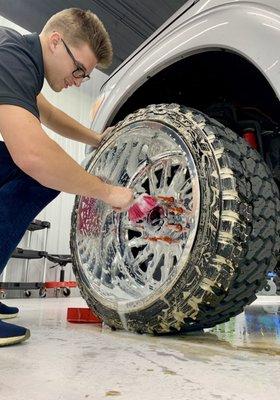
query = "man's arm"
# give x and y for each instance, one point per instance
(45, 161)
(63, 124)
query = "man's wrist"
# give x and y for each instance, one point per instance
(105, 191)
(95, 139)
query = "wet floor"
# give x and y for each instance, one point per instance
(239, 360)
(257, 329)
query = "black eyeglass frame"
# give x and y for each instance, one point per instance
(79, 72)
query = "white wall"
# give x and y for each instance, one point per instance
(76, 102)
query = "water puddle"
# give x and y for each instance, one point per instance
(256, 330)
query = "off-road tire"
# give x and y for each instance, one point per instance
(237, 240)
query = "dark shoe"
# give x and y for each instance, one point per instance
(12, 334)
(8, 312)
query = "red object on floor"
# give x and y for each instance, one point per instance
(60, 284)
(82, 316)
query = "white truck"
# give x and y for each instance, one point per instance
(196, 119)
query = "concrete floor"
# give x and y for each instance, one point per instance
(239, 360)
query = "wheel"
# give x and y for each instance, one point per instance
(3, 294)
(202, 258)
(66, 292)
(42, 293)
(27, 293)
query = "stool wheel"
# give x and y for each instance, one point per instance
(66, 292)
(42, 293)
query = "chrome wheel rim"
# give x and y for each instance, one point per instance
(125, 264)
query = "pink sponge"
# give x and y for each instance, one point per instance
(141, 208)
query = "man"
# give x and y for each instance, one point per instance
(33, 168)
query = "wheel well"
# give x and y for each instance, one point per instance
(204, 79)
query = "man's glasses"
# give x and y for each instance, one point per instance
(79, 72)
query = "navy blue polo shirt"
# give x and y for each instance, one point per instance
(21, 69)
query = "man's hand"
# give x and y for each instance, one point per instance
(99, 137)
(120, 198)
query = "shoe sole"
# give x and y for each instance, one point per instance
(8, 316)
(15, 339)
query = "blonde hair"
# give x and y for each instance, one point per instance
(79, 26)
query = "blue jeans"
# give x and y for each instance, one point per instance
(21, 199)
